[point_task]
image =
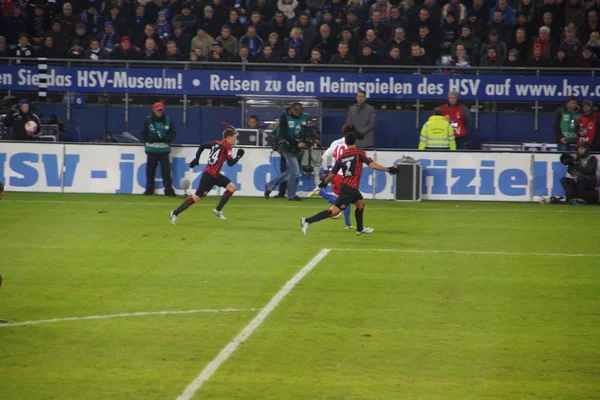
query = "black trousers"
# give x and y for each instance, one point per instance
(575, 188)
(165, 169)
(283, 185)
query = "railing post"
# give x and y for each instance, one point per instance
(9, 93)
(477, 110)
(126, 114)
(185, 101)
(69, 101)
(418, 111)
(536, 114)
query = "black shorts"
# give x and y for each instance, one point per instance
(207, 182)
(347, 196)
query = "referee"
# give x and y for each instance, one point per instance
(437, 133)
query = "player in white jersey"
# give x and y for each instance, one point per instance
(329, 158)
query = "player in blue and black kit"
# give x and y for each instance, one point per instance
(351, 163)
(220, 151)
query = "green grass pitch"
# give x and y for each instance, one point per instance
(476, 300)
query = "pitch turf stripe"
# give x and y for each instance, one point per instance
(210, 369)
(572, 210)
(123, 315)
(463, 252)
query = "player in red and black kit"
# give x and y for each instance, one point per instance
(351, 163)
(220, 151)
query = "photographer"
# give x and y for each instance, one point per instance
(582, 173)
(291, 140)
(17, 119)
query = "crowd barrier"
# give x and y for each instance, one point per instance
(120, 169)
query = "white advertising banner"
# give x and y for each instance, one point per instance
(35, 167)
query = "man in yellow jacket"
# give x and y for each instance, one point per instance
(437, 133)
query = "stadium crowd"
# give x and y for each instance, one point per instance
(461, 33)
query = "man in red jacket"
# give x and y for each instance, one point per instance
(459, 117)
(588, 124)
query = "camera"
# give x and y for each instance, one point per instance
(311, 134)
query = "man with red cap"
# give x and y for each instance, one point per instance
(158, 132)
(125, 50)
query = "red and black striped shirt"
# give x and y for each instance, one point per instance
(219, 153)
(351, 163)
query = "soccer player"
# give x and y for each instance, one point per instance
(351, 163)
(330, 156)
(220, 151)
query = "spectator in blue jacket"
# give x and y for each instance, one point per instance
(252, 41)
(508, 13)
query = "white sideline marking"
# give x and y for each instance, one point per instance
(576, 210)
(135, 314)
(210, 369)
(489, 253)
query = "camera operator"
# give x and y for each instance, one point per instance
(582, 173)
(291, 141)
(19, 115)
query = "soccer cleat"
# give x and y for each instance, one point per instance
(314, 192)
(267, 192)
(219, 214)
(336, 216)
(173, 218)
(350, 227)
(295, 198)
(303, 225)
(364, 231)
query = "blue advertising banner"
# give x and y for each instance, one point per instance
(319, 84)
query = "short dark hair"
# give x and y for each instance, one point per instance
(226, 27)
(267, 45)
(572, 98)
(362, 91)
(350, 138)
(253, 116)
(437, 111)
(228, 132)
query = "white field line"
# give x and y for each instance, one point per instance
(123, 315)
(571, 210)
(463, 252)
(210, 369)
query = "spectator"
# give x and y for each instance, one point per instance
(15, 24)
(221, 11)
(462, 61)
(450, 32)
(588, 59)
(335, 9)
(67, 19)
(218, 53)
(376, 25)
(58, 36)
(561, 60)
(522, 23)
(308, 30)
(399, 40)
(457, 8)
(95, 52)
(528, 9)
(125, 51)
(435, 11)
(358, 8)
(499, 47)
(149, 33)
(16, 119)
(513, 60)
(39, 23)
(343, 56)
(81, 35)
(497, 24)
(520, 43)
(334, 26)
(368, 57)
(92, 20)
(594, 43)
(418, 56)
(325, 42)
(470, 43)
(314, 9)
(292, 57)
(574, 13)
(233, 22)
(279, 25)
(582, 171)
(49, 50)
(424, 20)
(258, 24)
(409, 10)
(373, 41)
(554, 30)
(210, 22)
(229, 42)
(362, 116)
(590, 25)
(23, 48)
(276, 45)
(151, 51)
(480, 10)
(297, 41)
(109, 38)
(197, 55)
(264, 8)
(118, 21)
(491, 59)
(477, 26)
(428, 43)
(202, 41)
(571, 45)
(267, 55)
(76, 51)
(396, 20)
(186, 19)
(543, 39)
(173, 53)
(382, 6)
(315, 57)
(588, 125)
(437, 133)
(138, 21)
(243, 56)
(508, 13)
(353, 23)
(253, 122)
(459, 51)
(566, 124)
(393, 57)
(162, 26)
(537, 60)
(252, 41)
(289, 8)
(348, 36)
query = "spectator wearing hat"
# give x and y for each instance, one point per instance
(499, 25)
(162, 26)
(158, 132)
(95, 52)
(348, 36)
(377, 25)
(252, 41)
(20, 114)
(92, 20)
(513, 60)
(4, 50)
(125, 51)
(67, 19)
(459, 117)
(38, 24)
(109, 38)
(81, 36)
(182, 39)
(499, 47)
(268, 56)
(14, 24)
(368, 57)
(76, 52)
(536, 59)
(588, 125)
(218, 53)
(202, 41)
(343, 56)
(457, 8)
(138, 24)
(476, 25)
(588, 59)
(23, 48)
(211, 24)
(186, 19)
(229, 42)
(297, 42)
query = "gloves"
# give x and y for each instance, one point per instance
(392, 170)
(240, 153)
(323, 185)
(194, 163)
